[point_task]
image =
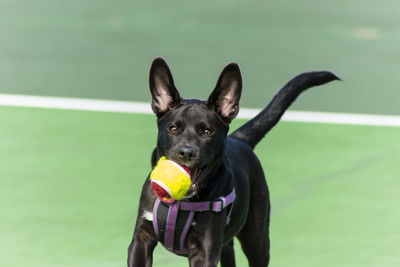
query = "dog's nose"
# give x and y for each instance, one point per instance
(186, 153)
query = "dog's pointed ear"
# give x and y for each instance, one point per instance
(224, 100)
(164, 94)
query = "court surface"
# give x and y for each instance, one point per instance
(71, 182)
(70, 179)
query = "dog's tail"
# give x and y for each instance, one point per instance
(255, 129)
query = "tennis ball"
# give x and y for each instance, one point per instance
(169, 180)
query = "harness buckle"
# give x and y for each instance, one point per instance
(222, 204)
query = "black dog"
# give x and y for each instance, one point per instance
(229, 195)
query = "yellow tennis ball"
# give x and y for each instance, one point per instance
(169, 180)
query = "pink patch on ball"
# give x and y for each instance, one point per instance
(161, 193)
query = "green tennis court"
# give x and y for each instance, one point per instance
(70, 180)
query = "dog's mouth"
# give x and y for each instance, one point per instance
(196, 177)
(171, 181)
(197, 173)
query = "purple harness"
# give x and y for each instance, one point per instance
(172, 221)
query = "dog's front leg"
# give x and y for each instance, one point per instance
(206, 240)
(206, 256)
(140, 251)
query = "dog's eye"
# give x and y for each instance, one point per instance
(207, 132)
(173, 129)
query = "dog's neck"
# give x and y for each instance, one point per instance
(213, 186)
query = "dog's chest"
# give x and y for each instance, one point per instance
(172, 221)
(171, 226)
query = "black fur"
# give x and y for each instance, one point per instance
(194, 133)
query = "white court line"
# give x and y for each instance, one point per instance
(144, 108)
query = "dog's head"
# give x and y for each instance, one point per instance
(192, 132)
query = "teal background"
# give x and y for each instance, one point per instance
(103, 49)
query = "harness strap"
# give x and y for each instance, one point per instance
(216, 206)
(185, 231)
(165, 225)
(155, 218)
(170, 227)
